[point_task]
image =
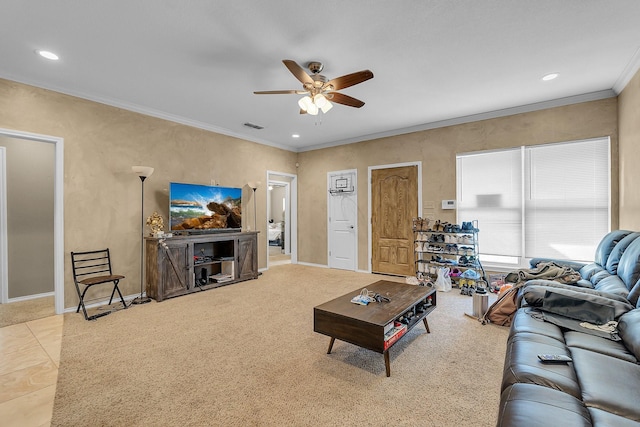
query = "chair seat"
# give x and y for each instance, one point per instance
(100, 279)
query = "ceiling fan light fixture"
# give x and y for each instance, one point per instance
(312, 109)
(318, 92)
(320, 100)
(326, 107)
(305, 102)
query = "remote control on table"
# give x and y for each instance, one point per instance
(554, 358)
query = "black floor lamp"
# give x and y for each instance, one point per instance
(143, 172)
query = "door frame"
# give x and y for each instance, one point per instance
(287, 212)
(58, 220)
(293, 213)
(355, 220)
(369, 208)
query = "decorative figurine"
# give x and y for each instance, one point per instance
(156, 224)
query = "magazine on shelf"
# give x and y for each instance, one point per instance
(221, 277)
(394, 334)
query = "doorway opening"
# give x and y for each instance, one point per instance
(281, 218)
(56, 246)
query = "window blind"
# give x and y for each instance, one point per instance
(490, 191)
(566, 199)
(539, 201)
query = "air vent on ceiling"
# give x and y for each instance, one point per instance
(254, 126)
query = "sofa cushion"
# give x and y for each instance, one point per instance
(584, 283)
(629, 265)
(598, 344)
(618, 250)
(524, 322)
(613, 285)
(634, 294)
(606, 245)
(608, 383)
(604, 418)
(629, 331)
(589, 270)
(597, 277)
(529, 405)
(523, 366)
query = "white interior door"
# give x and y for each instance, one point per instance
(343, 219)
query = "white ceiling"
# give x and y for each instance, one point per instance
(435, 62)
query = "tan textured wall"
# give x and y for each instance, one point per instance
(436, 149)
(629, 116)
(102, 196)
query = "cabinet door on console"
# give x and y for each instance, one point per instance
(247, 257)
(175, 270)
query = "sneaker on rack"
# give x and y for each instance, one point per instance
(470, 274)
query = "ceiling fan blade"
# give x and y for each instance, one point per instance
(349, 79)
(279, 92)
(341, 98)
(298, 71)
(303, 111)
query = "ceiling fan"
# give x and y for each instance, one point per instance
(318, 91)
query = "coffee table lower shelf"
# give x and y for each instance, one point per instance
(364, 326)
(385, 353)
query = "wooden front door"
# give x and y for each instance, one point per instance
(394, 203)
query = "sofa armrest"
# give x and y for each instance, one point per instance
(575, 265)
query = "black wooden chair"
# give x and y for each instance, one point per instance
(90, 269)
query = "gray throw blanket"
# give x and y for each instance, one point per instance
(545, 270)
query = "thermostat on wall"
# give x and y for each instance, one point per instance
(448, 204)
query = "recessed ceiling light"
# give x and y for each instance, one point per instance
(46, 54)
(295, 135)
(550, 76)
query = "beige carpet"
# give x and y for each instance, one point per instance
(25, 311)
(246, 355)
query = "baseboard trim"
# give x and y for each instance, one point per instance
(310, 264)
(100, 303)
(30, 297)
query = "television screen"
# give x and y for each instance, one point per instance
(204, 207)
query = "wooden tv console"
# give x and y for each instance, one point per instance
(184, 264)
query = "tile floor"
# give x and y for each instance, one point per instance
(29, 360)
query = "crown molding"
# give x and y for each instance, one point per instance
(560, 102)
(627, 74)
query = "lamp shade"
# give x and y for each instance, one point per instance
(305, 103)
(326, 107)
(320, 100)
(142, 171)
(312, 109)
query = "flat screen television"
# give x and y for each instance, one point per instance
(201, 208)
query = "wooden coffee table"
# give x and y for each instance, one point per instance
(364, 325)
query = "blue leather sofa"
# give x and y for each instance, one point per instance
(601, 385)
